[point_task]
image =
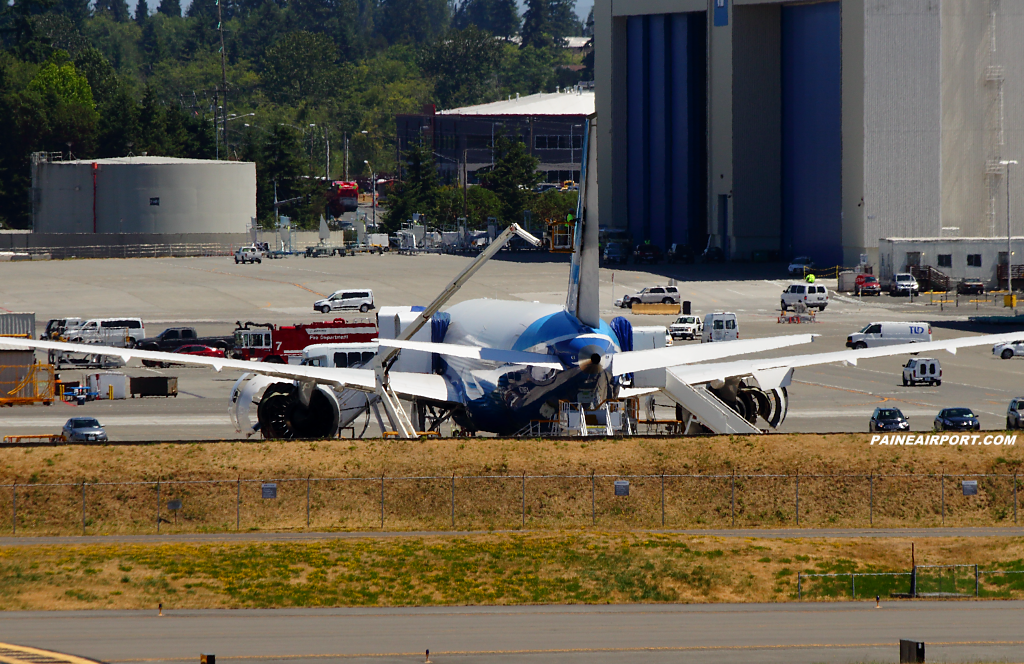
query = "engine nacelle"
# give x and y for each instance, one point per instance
(279, 413)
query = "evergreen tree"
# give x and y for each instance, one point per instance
(170, 7)
(205, 9)
(537, 24)
(512, 178)
(141, 12)
(462, 64)
(563, 19)
(115, 9)
(74, 10)
(498, 17)
(413, 21)
(417, 192)
(334, 18)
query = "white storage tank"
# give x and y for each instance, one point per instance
(143, 195)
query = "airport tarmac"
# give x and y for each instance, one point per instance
(212, 293)
(953, 631)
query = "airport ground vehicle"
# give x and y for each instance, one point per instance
(720, 326)
(970, 287)
(249, 254)
(867, 284)
(84, 430)
(353, 298)
(1009, 349)
(680, 253)
(1015, 413)
(615, 253)
(903, 283)
(956, 419)
(283, 344)
(647, 253)
(889, 334)
(812, 295)
(713, 255)
(686, 327)
(349, 355)
(173, 338)
(650, 295)
(888, 419)
(95, 330)
(342, 197)
(800, 266)
(55, 327)
(191, 349)
(922, 370)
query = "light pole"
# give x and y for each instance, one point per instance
(217, 132)
(373, 179)
(1009, 253)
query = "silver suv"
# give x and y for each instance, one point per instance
(903, 283)
(361, 299)
(650, 295)
(1015, 414)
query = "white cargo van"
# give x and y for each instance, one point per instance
(720, 326)
(889, 334)
(812, 295)
(922, 370)
(108, 330)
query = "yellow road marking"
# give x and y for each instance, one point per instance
(12, 654)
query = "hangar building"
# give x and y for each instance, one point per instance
(809, 128)
(152, 195)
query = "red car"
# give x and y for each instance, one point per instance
(192, 349)
(867, 284)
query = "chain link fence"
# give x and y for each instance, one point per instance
(482, 502)
(926, 581)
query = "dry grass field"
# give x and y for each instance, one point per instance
(843, 481)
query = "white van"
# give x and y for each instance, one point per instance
(361, 299)
(889, 334)
(720, 326)
(102, 330)
(343, 356)
(813, 295)
(922, 370)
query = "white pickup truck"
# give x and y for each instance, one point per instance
(248, 254)
(686, 327)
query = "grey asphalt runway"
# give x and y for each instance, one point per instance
(953, 631)
(777, 533)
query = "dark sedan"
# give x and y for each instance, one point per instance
(647, 253)
(888, 419)
(957, 419)
(970, 287)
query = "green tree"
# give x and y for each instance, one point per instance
(462, 64)
(300, 65)
(141, 12)
(512, 178)
(498, 17)
(563, 19)
(413, 21)
(553, 205)
(59, 83)
(170, 8)
(537, 25)
(116, 9)
(417, 192)
(333, 18)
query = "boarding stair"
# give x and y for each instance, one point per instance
(705, 408)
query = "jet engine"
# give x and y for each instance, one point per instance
(750, 402)
(280, 413)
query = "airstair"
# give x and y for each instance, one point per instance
(704, 408)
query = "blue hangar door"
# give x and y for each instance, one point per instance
(812, 132)
(666, 127)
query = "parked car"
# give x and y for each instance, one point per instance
(346, 299)
(84, 430)
(647, 253)
(713, 255)
(1015, 413)
(191, 349)
(680, 253)
(970, 287)
(104, 330)
(812, 295)
(956, 419)
(903, 283)
(249, 254)
(1009, 349)
(615, 252)
(686, 327)
(888, 419)
(800, 266)
(922, 370)
(720, 326)
(650, 295)
(889, 334)
(867, 284)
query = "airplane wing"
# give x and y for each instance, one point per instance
(405, 384)
(478, 352)
(773, 372)
(672, 356)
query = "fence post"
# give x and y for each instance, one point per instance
(453, 501)
(942, 483)
(14, 509)
(524, 499)
(83, 507)
(663, 500)
(853, 584)
(158, 507)
(382, 501)
(238, 506)
(307, 501)
(593, 501)
(871, 503)
(798, 498)
(976, 581)
(799, 587)
(1015, 497)
(733, 497)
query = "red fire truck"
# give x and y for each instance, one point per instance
(266, 342)
(342, 197)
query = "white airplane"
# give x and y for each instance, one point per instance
(507, 363)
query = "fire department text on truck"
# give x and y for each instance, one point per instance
(944, 439)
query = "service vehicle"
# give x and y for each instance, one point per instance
(970, 287)
(812, 295)
(889, 334)
(342, 197)
(922, 370)
(249, 254)
(801, 266)
(713, 255)
(191, 349)
(680, 253)
(888, 419)
(956, 419)
(686, 327)
(173, 338)
(1015, 413)
(356, 298)
(903, 283)
(55, 328)
(647, 253)
(650, 295)
(344, 356)
(720, 326)
(84, 430)
(615, 253)
(1009, 349)
(107, 330)
(266, 342)
(867, 284)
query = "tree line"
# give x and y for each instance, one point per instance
(94, 80)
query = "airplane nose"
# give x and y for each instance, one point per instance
(590, 359)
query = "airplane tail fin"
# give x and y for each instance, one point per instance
(583, 299)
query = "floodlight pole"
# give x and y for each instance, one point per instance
(1009, 251)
